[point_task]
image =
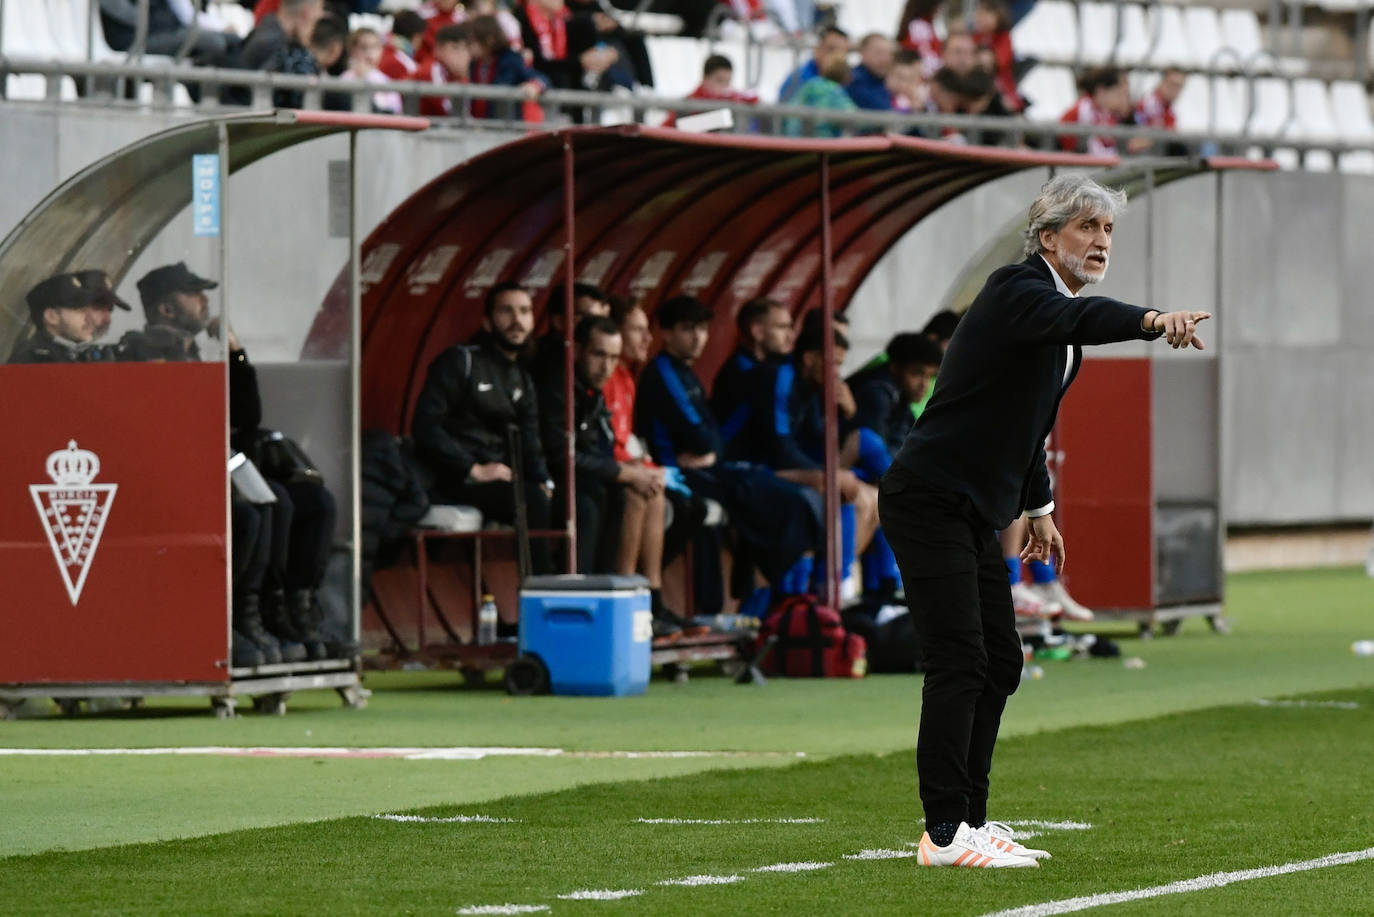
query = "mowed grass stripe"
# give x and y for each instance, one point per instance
(1172, 798)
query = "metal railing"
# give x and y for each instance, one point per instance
(97, 82)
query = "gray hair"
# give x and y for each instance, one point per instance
(1066, 196)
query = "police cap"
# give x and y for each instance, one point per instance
(159, 283)
(74, 290)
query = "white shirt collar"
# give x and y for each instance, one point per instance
(1058, 281)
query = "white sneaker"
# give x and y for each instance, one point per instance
(1002, 837)
(1028, 603)
(969, 848)
(1054, 592)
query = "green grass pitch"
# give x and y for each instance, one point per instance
(1148, 777)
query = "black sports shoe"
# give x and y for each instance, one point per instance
(244, 653)
(248, 621)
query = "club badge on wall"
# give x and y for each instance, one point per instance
(73, 512)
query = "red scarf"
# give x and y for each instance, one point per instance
(552, 33)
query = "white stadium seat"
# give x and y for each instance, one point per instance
(1230, 97)
(1191, 109)
(859, 17)
(1313, 119)
(1049, 32)
(1171, 47)
(34, 87)
(1357, 162)
(1240, 30)
(1350, 107)
(1136, 35)
(28, 32)
(1096, 32)
(1051, 90)
(1273, 107)
(1204, 34)
(677, 64)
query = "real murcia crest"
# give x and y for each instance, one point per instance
(73, 512)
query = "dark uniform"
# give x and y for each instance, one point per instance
(74, 290)
(472, 394)
(787, 422)
(882, 407)
(778, 521)
(600, 498)
(730, 398)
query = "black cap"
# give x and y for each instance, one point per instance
(160, 282)
(683, 310)
(74, 290)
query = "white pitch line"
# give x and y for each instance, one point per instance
(793, 867)
(496, 909)
(1301, 704)
(602, 894)
(1201, 883)
(450, 819)
(730, 821)
(881, 854)
(415, 753)
(694, 881)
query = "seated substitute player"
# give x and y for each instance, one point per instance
(884, 392)
(620, 505)
(71, 312)
(763, 335)
(473, 394)
(778, 522)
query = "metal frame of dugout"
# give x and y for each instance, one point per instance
(136, 517)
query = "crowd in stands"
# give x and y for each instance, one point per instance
(967, 67)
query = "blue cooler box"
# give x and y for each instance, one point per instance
(592, 632)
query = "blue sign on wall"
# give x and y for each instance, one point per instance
(205, 194)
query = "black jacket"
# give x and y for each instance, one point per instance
(41, 347)
(472, 394)
(983, 431)
(730, 394)
(881, 406)
(594, 443)
(671, 413)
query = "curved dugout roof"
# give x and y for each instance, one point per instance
(105, 215)
(657, 212)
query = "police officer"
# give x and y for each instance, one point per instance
(276, 604)
(71, 313)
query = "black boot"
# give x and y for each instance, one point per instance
(244, 653)
(277, 618)
(248, 621)
(301, 608)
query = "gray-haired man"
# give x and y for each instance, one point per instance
(974, 462)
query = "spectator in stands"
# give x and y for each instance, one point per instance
(544, 28)
(824, 91)
(916, 32)
(834, 42)
(398, 56)
(437, 14)
(620, 505)
(960, 54)
(868, 84)
(979, 96)
(689, 511)
(364, 59)
(451, 63)
(632, 52)
(547, 364)
(992, 31)
(885, 392)
(300, 523)
(717, 74)
(763, 334)
(473, 395)
(509, 24)
(169, 27)
(71, 312)
(328, 45)
(281, 37)
(907, 83)
(1106, 100)
(945, 97)
(496, 63)
(600, 66)
(1156, 108)
(777, 521)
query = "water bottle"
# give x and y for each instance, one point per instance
(486, 621)
(1362, 647)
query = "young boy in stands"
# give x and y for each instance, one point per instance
(451, 64)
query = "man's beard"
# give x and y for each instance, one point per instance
(506, 344)
(1078, 267)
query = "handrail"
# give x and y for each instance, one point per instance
(192, 32)
(769, 118)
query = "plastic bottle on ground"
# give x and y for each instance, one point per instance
(1362, 647)
(486, 621)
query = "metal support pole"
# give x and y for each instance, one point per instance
(222, 147)
(140, 33)
(1218, 336)
(1150, 237)
(833, 553)
(355, 394)
(569, 413)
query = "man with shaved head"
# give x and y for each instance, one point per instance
(975, 462)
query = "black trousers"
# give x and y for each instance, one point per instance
(956, 585)
(302, 522)
(600, 513)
